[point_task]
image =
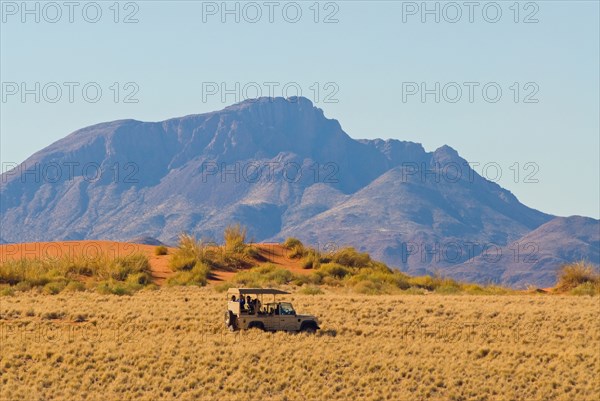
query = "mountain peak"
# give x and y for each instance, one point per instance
(299, 102)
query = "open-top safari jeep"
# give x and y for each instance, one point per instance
(247, 308)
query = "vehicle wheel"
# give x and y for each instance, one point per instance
(256, 325)
(231, 328)
(229, 319)
(309, 328)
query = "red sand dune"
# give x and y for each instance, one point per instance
(271, 252)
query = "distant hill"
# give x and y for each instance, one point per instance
(278, 166)
(535, 258)
(146, 241)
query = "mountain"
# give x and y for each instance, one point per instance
(146, 241)
(278, 166)
(536, 257)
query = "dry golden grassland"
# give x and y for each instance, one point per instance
(171, 343)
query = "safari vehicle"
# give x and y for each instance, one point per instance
(259, 309)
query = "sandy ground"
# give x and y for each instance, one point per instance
(171, 344)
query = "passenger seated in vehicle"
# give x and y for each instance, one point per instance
(250, 305)
(257, 305)
(233, 299)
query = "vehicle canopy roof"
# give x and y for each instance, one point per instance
(255, 291)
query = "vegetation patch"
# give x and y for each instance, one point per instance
(75, 273)
(579, 278)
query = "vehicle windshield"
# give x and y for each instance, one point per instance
(286, 308)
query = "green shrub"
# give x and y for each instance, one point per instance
(182, 262)
(575, 274)
(415, 291)
(473, 289)
(113, 287)
(122, 267)
(296, 248)
(310, 290)
(53, 275)
(198, 275)
(189, 252)
(301, 279)
(54, 287)
(334, 270)
(351, 257)
(23, 286)
(224, 286)
(74, 286)
(367, 287)
(381, 279)
(312, 260)
(121, 289)
(161, 250)
(424, 282)
(332, 281)
(235, 238)
(264, 275)
(316, 278)
(7, 291)
(137, 281)
(587, 288)
(252, 252)
(447, 289)
(292, 242)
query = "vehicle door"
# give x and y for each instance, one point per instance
(287, 317)
(271, 318)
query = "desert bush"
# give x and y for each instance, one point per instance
(332, 281)
(23, 286)
(113, 287)
(53, 275)
(189, 251)
(54, 287)
(224, 286)
(473, 289)
(334, 270)
(7, 291)
(310, 290)
(381, 279)
(264, 275)
(161, 250)
(308, 263)
(587, 288)
(424, 282)
(121, 267)
(573, 275)
(235, 238)
(351, 257)
(252, 252)
(447, 289)
(34, 271)
(301, 279)
(292, 242)
(198, 275)
(137, 281)
(367, 287)
(180, 262)
(296, 248)
(75, 286)
(312, 259)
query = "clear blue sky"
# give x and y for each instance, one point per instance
(371, 55)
